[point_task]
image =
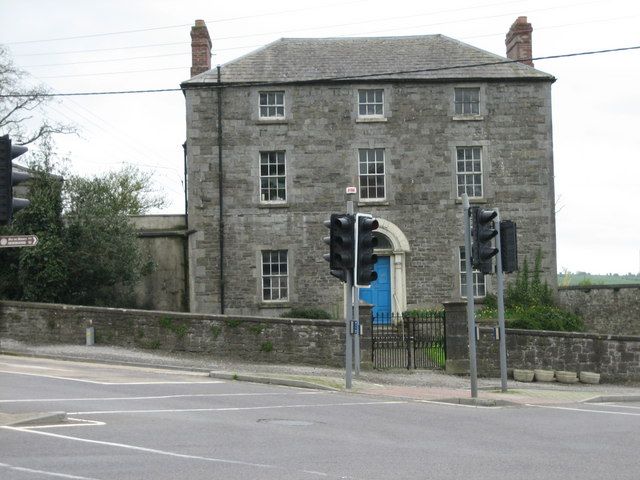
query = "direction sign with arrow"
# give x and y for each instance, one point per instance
(12, 241)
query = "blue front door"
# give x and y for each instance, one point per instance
(379, 294)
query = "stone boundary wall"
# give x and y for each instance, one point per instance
(615, 357)
(254, 339)
(607, 309)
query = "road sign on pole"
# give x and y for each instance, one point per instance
(13, 241)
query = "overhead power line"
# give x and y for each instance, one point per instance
(241, 47)
(336, 79)
(322, 27)
(182, 54)
(169, 27)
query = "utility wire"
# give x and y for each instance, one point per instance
(168, 27)
(93, 50)
(218, 49)
(182, 54)
(331, 79)
(322, 27)
(104, 74)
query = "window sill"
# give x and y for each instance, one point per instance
(272, 121)
(274, 304)
(273, 205)
(479, 200)
(467, 118)
(382, 203)
(370, 119)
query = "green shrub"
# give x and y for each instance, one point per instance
(266, 346)
(180, 330)
(529, 304)
(256, 328)
(165, 322)
(215, 331)
(528, 289)
(545, 317)
(313, 313)
(423, 313)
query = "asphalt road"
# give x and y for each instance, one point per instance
(134, 423)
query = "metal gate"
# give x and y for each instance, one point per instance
(402, 341)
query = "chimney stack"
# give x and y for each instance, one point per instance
(518, 41)
(200, 48)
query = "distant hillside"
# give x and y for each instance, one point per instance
(582, 278)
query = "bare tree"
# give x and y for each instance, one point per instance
(22, 115)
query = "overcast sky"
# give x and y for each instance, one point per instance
(92, 46)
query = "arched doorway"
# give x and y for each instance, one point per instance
(388, 293)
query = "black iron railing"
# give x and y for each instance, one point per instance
(408, 341)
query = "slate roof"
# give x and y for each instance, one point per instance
(421, 57)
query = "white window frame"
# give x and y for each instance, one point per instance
(479, 282)
(468, 170)
(466, 104)
(370, 102)
(271, 172)
(376, 163)
(270, 101)
(274, 282)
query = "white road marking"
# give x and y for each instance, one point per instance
(620, 406)
(239, 409)
(450, 404)
(18, 365)
(163, 397)
(211, 382)
(163, 452)
(44, 472)
(609, 412)
(80, 423)
(95, 382)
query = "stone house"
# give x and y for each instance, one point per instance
(275, 136)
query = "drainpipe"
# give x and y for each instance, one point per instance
(186, 197)
(186, 304)
(220, 195)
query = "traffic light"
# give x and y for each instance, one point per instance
(483, 233)
(508, 246)
(365, 243)
(341, 244)
(9, 178)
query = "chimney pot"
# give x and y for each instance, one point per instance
(519, 41)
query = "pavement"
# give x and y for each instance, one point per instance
(417, 385)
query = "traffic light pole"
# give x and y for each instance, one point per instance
(356, 330)
(501, 328)
(349, 338)
(348, 360)
(473, 369)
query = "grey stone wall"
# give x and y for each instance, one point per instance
(321, 137)
(255, 339)
(608, 309)
(163, 240)
(615, 357)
